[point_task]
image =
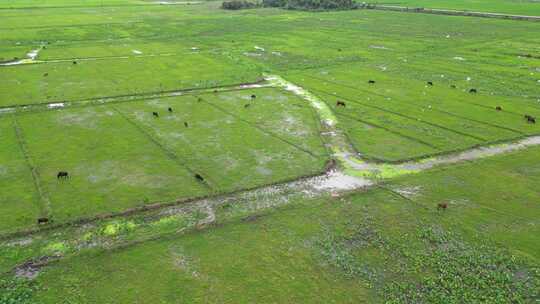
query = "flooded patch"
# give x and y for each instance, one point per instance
(408, 192)
(336, 180)
(30, 58)
(472, 154)
(55, 105)
(325, 114)
(379, 47)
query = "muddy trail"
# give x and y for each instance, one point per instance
(350, 173)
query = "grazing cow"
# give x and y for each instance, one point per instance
(169, 109)
(62, 174)
(340, 104)
(530, 119)
(429, 83)
(442, 206)
(155, 114)
(473, 91)
(215, 91)
(498, 108)
(453, 86)
(199, 177)
(74, 62)
(42, 220)
(253, 96)
(371, 82)
(247, 105)
(46, 74)
(186, 124)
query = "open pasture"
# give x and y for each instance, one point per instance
(431, 118)
(121, 156)
(389, 243)
(141, 103)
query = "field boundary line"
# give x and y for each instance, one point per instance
(103, 100)
(253, 125)
(330, 165)
(170, 154)
(434, 109)
(450, 12)
(405, 116)
(411, 138)
(44, 201)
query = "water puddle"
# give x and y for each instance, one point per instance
(30, 58)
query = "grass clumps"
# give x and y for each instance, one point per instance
(311, 4)
(238, 4)
(16, 291)
(461, 273)
(430, 265)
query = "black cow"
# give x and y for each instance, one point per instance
(340, 104)
(42, 220)
(498, 108)
(253, 96)
(46, 74)
(429, 83)
(371, 82)
(170, 110)
(473, 91)
(247, 105)
(155, 114)
(453, 86)
(199, 177)
(186, 124)
(199, 99)
(62, 174)
(74, 62)
(530, 119)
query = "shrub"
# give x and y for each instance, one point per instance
(237, 4)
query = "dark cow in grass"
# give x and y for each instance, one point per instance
(340, 104)
(530, 119)
(62, 175)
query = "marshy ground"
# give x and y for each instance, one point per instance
(268, 155)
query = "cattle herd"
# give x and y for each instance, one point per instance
(529, 118)
(62, 175)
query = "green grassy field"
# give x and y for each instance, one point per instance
(333, 250)
(120, 156)
(84, 105)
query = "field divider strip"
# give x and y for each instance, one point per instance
(45, 203)
(449, 12)
(170, 153)
(434, 109)
(260, 129)
(406, 116)
(425, 143)
(103, 100)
